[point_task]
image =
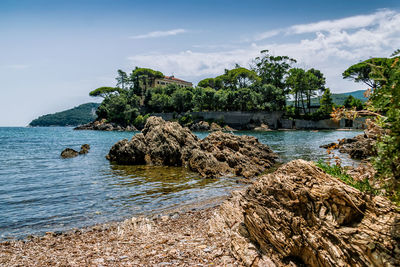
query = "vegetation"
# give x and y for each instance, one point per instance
(383, 75)
(340, 173)
(265, 86)
(82, 114)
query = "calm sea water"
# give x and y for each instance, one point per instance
(41, 192)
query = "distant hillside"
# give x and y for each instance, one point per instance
(78, 115)
(339, 99)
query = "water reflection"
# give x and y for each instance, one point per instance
(156, 181)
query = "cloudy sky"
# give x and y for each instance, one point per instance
(52, 53)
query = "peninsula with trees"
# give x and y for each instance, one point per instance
(270, 84)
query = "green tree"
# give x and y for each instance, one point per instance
(182, 99)
(326, 103)
(352, 102)
(122, 79)
(105, 91)
(143, 78)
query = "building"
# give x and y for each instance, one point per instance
(171, 80)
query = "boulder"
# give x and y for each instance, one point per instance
(262, 127)
(84, 149)
(299, 215)
(69, 153)
(200, 126)
(168, 143)
(215, 127)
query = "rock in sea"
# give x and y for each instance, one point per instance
(168, 143)
(69, 153)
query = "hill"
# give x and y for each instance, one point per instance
(81, 114)
(338, 99)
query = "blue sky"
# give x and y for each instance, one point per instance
(52, 53)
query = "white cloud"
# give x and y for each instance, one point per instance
(334, 46)
(353, 22)
(157, 34)
(266, 35)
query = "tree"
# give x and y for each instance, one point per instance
(122, 79)
(352, 102)
(143, 78)
(105, 91)
(326, 103)
(272, 69)
(181, 99)
(362, 72)
(296, 82)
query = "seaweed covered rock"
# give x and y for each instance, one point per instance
(69, 153)
(301, 215)
(167, 143)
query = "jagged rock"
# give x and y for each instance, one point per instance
(167, 143)
(330, 145)
(262, 127)
(301, 215)
(84, 149)
(103, 125)
(200, 126)
(215, 127)
(69, 153)
(359, 147)
(227, 128)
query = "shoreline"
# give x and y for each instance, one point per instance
(183, 238)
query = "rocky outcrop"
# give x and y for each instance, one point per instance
(263, 128)
(105, 126)
(299, 215)
(200, 126)
(72, 153)
(167, 143)
(84, 149)
(69, 153)
(359, 147)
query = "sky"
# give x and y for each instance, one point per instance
(53, 53)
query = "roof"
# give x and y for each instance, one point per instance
(175, 79)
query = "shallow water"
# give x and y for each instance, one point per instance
(41, 192)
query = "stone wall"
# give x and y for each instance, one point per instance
(241, 120)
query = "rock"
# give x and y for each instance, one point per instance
(200, 126)
(167, 143)
(84, 149)
(299, 215)
(130, 128)
(215, 127)
(359, 147)
(227, 128)
(262, 127)
(330, 145)
(103, 125)
(69, 153)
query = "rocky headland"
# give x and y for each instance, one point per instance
(170, 144)
(103, 125)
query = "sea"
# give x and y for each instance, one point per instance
(41, 192)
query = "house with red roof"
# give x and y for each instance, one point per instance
(171, 80)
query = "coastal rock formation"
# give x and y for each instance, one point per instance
(105, 126)
(359, 147)
(262, 127)
(69, 153)
(168, 143)
(84, 149)
(301, 215)
(72, 153)
(200, 126)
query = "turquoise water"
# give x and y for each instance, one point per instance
(41, 192)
